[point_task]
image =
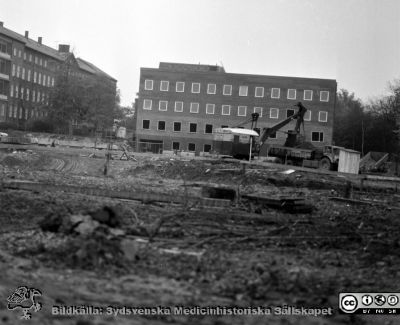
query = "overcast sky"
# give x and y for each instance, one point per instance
(356, 42)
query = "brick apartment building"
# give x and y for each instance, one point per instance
(179, 105)
(28, 71)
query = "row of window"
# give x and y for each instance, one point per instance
(16, 112)
(37, 77)
(243, 90)
(177, 126)
(27, 94)
(30, 57)
(227, 110)
(190, 147)
(208, 129)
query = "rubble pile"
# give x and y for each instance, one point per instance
(94, 240)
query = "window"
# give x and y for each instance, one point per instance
(15, 111)
(22, 92)
(161, 125)
(38, 97)
(40, 61)
(175, 145)
(207, 148)
(146, 124)
(323, 116)
(164, 85)
(27, 94)
(308, 94)
(25, 56)
(45, 63)
(13, 69)
(243, 90)
(259, 92)
(210, 108)
(180, 88)
(242, 110)
(227, 91)
(30, 57)
(275, 93)
(291, 94)
(15, 51)
(16, 91)
(289, 112)
(18, 70)
(192, 147)
(178, 106)
(10, 111)
(148, 84)
(52, 81)
(26, 113)
(317, 136)
(195, 88)
(19, 53)
(208, 128)
(324, 96)
(23, 74)
(274, 113)
(258, 110)
(34, 76)
(194, 107)
(307, 116)
(29, 75)
(177, 126)
(11, 90)
(272, 135)
(226, 109)
(192, 127)
(162, 105)
(147, 103)
(20, 112)
(39, 78)
(211, 88)
(3, 109)
(33, 95)
(36, 59)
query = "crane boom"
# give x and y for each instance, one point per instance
(267, 132)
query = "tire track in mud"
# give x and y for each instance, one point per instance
(57, 164)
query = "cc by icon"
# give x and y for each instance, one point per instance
(349, 303)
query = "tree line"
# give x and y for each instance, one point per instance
(368, 126)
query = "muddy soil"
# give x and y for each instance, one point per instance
(95, 251)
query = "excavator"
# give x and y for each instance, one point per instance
(292, 135)
(240, 143)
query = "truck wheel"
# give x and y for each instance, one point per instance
(325, 163)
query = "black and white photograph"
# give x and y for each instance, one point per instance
(212, 162)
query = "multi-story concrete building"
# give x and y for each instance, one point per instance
(179, 105)
(28, 71)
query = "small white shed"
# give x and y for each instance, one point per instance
(349, 161)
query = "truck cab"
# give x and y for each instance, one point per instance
(330, 157)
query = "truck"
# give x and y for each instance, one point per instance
(243, 144)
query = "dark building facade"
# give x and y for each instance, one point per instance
(179, 105)
(28, 71)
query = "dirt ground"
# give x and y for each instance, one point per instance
(81, 249)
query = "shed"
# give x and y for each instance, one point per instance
(349, 161)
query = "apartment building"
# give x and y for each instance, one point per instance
(180, 105)
(28, 71)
